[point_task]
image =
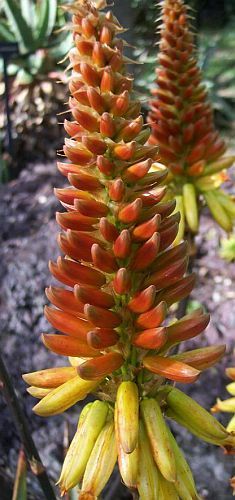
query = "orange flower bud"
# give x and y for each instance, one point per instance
(138, 170)
(121, 104)
(147, 253)
(107, 81)
(95, 144)
(125, 151)
(95, 369)
(154, 338)
(89, 74)
(68, 346)
(107, 125)
(108, 230)
(122, 281)
(65, 300)
(102, 318)
(147, 229)
(103, 260)
(91, 207)
(171, 369)
(67, 323)
(143, 301)
(94, 296)
(98, 56)
(116, 190)
(88, 30)
(96, 101)
(152, 318)
(101, 338)
(104, 165)
(122, 245)
(130, 213)
(202, 358)
(84, 181)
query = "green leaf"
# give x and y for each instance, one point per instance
(19, 26)
(5, 34)
(46, 20)
(27, 10)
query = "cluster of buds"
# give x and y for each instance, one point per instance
(182, 125)
(121, 275)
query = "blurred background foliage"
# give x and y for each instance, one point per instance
(35, 96)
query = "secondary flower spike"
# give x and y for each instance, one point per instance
(181, 119)
(117, 277)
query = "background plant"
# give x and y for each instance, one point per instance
(35, 26)
(181, 119)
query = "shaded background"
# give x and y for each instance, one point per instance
(28, 233)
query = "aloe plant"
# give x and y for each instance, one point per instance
(31, 24)
(121, 277)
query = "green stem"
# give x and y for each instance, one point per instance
(13, 401)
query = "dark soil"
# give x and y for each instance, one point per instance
(28, 232)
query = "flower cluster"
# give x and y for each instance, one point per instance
(181, 119)
(121, 276)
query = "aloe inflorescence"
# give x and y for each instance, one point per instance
(181, 118)
(121, 276)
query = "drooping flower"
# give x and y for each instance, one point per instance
(181, 119)
(121, 276)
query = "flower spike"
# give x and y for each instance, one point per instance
(182, 125)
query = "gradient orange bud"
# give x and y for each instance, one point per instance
(147, 229)
(96, 101)
(143, 301)
(94, 296)
(89, 74)
(202, 358)
(122, 245)
(107, 125)
(68, 346)
(147, 253)
(101, 318)
(138, 170)
(80, 273)
(177, 291)
(122, 281)
(131, 212)
(84, 181)
(101, 338)
(67, 323)
(108, 230)
(116, 190)
(125, 151)
(171, 369)
(64, 299)
(121, 104)
(104, 165)
(102, 259)
(107, 81)
(153, 338)
(152, 318)
(95, 369)
(51, 377)
(98, 56)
